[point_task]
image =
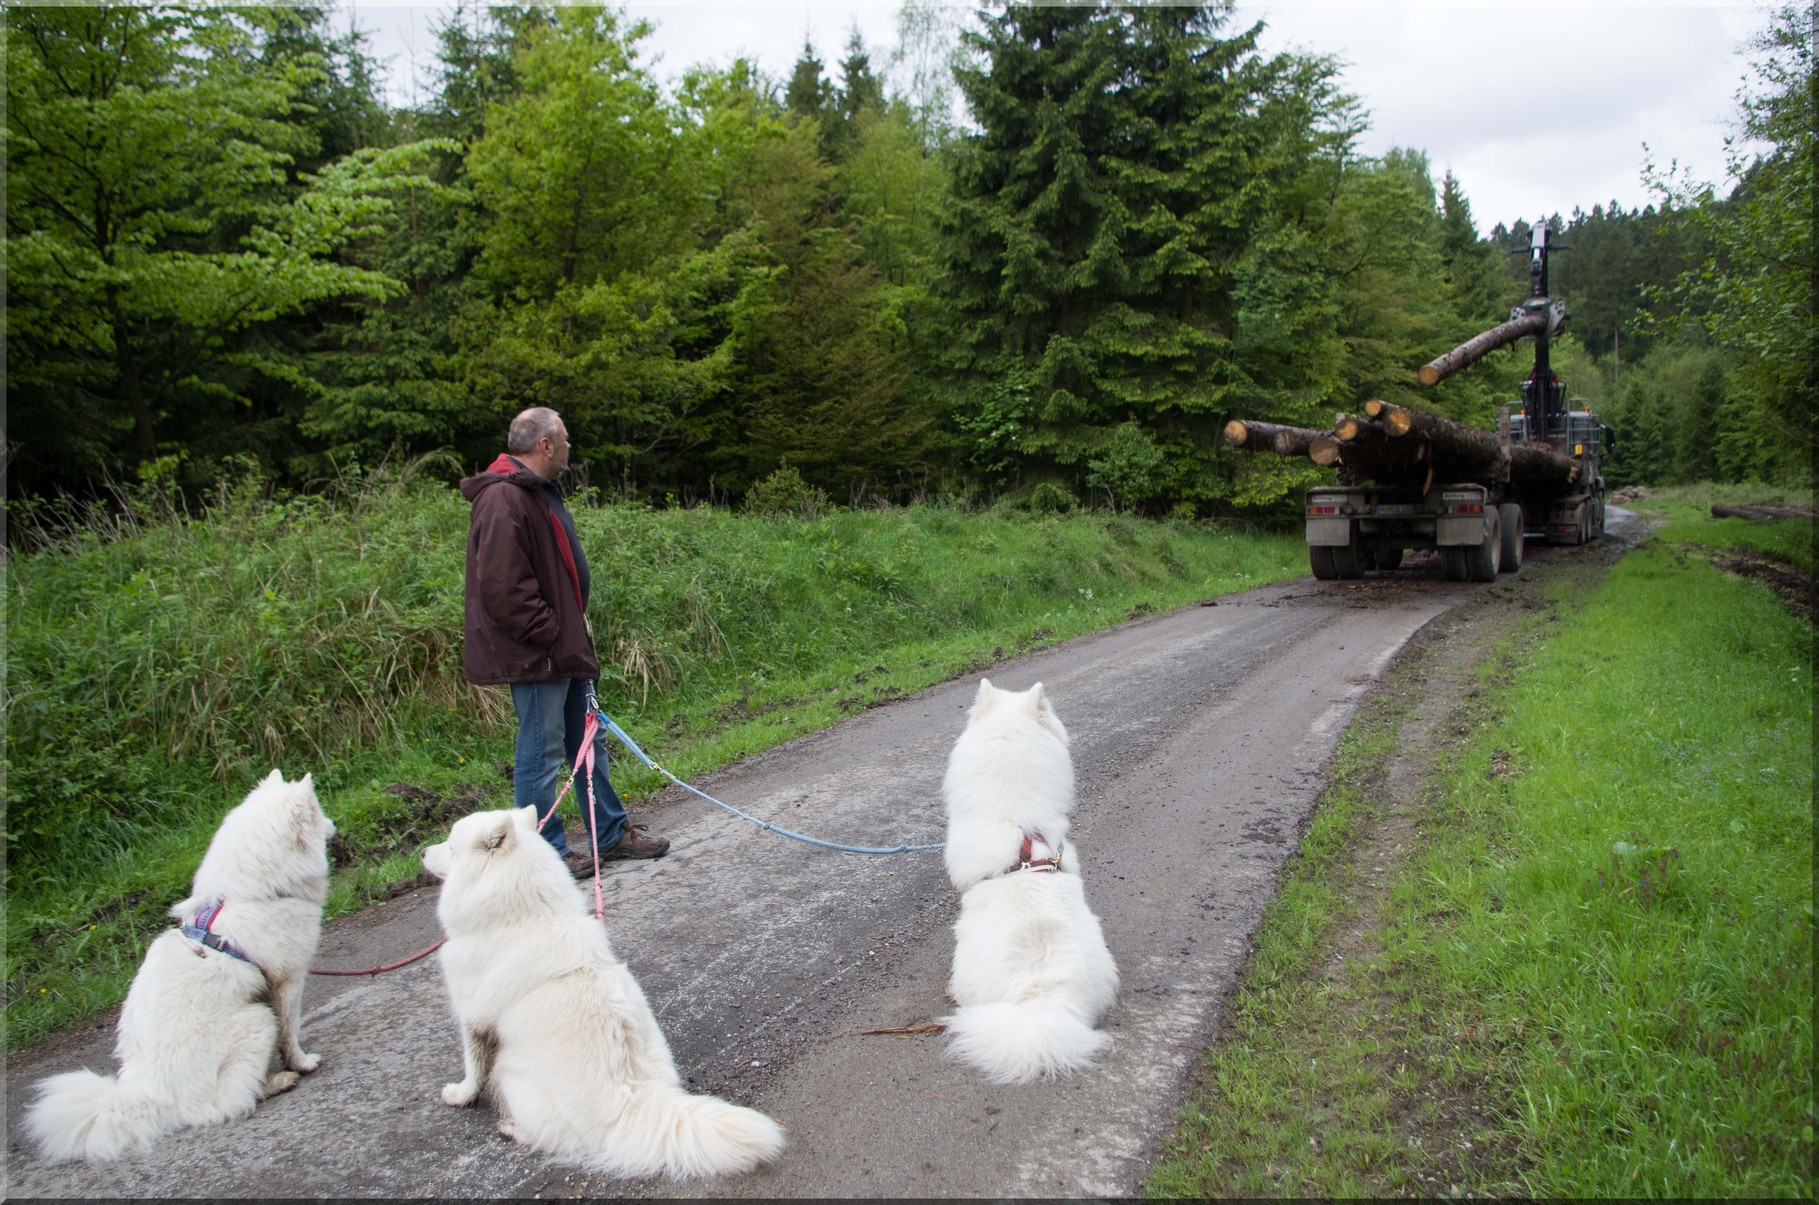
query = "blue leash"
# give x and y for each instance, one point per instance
(629, 743)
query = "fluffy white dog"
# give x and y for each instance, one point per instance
(1032, 975)
(555, 1028)
(214, 997)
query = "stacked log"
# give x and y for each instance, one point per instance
(1449, 442)
(1364, 445)
(1350, 428)
(1542, 463)
(1392, 441)
(1254, 436)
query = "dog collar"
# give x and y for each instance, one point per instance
(199, 929)
(1024, 861)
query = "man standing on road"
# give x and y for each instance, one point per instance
(525, 624)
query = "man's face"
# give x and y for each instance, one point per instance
(556, 448)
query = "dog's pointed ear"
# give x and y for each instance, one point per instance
(526, 817)
(306, 813)
(1044, 711)
(275, 777)
(502, 836)
(987, 692)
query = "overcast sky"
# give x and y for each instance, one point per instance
(1535, 107)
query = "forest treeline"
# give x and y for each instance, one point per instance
(229, 253)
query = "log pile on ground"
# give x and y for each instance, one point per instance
(1398, 444)
(1763, 512)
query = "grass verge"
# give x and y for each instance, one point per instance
(1551, 935)
(159, 664)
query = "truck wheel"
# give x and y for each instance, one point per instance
(1452, 563)
(1320, 560)
(1388, 557)
(1346, 561)
(1509, 515)
(1482, 559)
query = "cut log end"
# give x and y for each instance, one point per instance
(1324, 451)
(1250, 435)
(1429, 374)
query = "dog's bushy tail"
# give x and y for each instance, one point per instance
(664, 1129)
(81, 1115)
(1016, 1043)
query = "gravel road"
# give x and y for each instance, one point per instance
(1199, 738)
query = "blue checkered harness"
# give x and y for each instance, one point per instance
(199, 929)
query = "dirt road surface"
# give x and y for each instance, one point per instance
(1198, 737)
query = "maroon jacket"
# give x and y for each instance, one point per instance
(524, 619)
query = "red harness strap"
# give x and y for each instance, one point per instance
(202, 929)
(1024, 861)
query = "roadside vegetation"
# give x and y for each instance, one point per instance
(1574, 957)
(159, 663)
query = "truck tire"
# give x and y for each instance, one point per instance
(1346, 561)
(1482, 559)
(1388, 557)
(1320, 560)
(1510, 516)
(1452, 563)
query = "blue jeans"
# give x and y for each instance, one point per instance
(551, 719)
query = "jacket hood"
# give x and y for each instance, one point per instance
(503, 469)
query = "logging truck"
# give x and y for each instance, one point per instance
(1408, 478)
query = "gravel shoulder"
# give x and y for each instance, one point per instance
(1199, 741)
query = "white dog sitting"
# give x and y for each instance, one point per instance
(1032, 975)
(214, 998)
(555, 1028)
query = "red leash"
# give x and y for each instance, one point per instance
(582, 765)
(390, 966)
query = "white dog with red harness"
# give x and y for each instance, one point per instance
(216, 997)
(1032, 974)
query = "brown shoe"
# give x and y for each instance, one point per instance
(634, 844)
(580, 863)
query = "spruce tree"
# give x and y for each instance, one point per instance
(1130, 256)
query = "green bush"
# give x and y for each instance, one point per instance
(784, 492)
(1050, 498)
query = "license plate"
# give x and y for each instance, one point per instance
(1396, 508)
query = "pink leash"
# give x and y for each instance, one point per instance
(584, 764)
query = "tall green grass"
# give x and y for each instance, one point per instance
(1688, 510)
(1644, 910)
(159, 664)
(1592, 974)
